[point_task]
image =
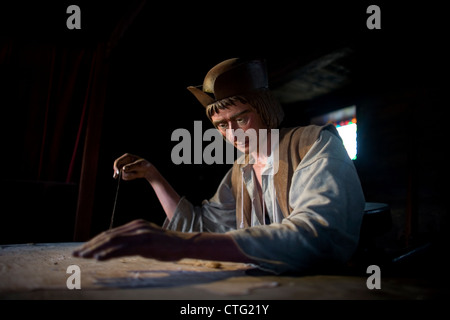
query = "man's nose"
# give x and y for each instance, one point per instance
(233, 125)
(230, 135)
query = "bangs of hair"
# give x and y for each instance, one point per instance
(262, 101)
(215, 107)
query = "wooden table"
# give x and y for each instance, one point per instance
(39, 271)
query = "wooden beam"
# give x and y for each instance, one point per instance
(86, 191)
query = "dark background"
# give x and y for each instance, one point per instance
(119, 85)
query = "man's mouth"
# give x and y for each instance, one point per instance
(240, 145)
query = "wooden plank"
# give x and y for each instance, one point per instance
(86, 193)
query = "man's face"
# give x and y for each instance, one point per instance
(237, 116)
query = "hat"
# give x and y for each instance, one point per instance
(230, 78)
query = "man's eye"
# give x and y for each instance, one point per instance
(222, 125)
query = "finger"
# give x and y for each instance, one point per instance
(136, 165)
(94, 249)
(87, 249)
(136, 242)
(121, 161)
(125, 243)
(113, 252)
(135, 170)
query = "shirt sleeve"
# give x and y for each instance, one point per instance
(217, 214)
(323, 228)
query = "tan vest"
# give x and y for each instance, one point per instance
(293, 145)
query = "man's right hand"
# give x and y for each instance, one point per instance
(132, 167)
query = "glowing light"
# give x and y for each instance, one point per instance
(345, 122)
(348, 134)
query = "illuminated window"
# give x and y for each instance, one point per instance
(345, 122)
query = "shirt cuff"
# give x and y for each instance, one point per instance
(184, 218)
(247, 242)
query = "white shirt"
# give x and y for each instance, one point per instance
(327, 201)
(269, 207)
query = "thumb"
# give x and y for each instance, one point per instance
(116, 173)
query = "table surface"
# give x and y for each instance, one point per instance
(39, 271)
